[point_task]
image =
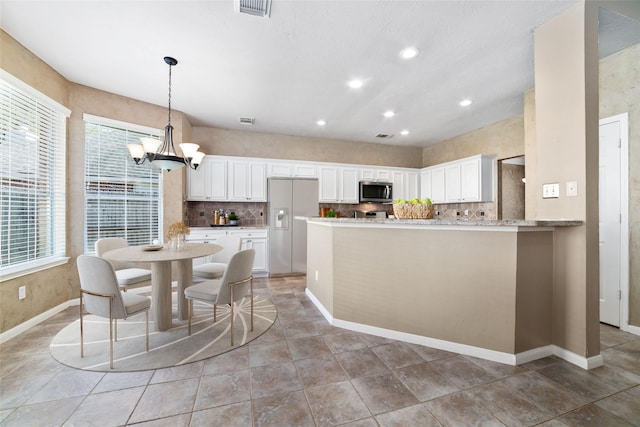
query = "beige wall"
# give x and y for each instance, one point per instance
(566, 99)
(503, 140)
(531, 163)
(619, 82)
(49, 288)
(266, 145)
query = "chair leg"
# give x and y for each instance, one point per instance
(251, 285)
(231, 307)
(81, 329)
(110, 334)
(190, 314)
(116, 330)
(215, 312)
(146, 315)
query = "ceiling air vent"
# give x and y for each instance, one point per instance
(253, 7)
(383, 136)
(247, 120)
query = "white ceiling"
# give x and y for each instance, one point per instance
(292, 69)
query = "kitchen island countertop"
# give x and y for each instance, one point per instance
(449, 222)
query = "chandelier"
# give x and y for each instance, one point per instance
(162, 153)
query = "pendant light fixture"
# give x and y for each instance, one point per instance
(162, 153)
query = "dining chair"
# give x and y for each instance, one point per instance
(216, 264)
(127, 276)
(100, 292)
(236, 281)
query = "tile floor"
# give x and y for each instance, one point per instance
(304, 372)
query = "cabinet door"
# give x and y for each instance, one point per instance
(328, 184)
(384, 175)
(257, 182)
(425, 184)
(349, 186)
(452, 183)
(437, 185)
(305, 171)
(399, 191)
(247, 181)
(209, 181)
(470, 180)
(412, 185)
(260, 262)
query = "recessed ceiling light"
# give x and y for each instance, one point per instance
(389, 113)
(408, 53)
(465, 102)
(355, 84)
(404, 132)
(321, 123)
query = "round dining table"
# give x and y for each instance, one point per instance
(160, 258)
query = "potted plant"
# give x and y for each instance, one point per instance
(233, 218)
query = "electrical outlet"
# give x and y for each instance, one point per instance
(572, 189)
(22, 292)
(551, 191)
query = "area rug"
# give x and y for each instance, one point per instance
(167, 348)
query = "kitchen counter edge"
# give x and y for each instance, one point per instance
(449, 222)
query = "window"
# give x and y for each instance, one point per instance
(122, 199)
(32, 179)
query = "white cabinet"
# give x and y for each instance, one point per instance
(247, 181)
(258, 240)
(465, 180)
(452, 183)
(292, 170)
(338, 184)
(412, 185)
(432, 184)
(399, 191)
(371, 174)
(209, 181)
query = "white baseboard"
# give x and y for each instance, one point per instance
(467, 350)
(635, 330)
(25, 326)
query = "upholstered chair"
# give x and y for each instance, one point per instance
(127, 276)
(234, 285)
(216, 263)
(100, 295)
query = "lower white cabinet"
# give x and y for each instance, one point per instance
(255, 238)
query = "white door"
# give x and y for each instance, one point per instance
(610, 222)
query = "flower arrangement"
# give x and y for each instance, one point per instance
(177, 229)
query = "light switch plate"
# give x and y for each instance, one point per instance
(551, 191)
(572, 189)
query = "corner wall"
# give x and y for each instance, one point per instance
(566, 98)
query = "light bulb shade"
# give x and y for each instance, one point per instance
(197, 158)
(167, 163)
(189, 149)
(136, 150)
(150, 145)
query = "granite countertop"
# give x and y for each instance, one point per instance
(460, 222)
(234, 227)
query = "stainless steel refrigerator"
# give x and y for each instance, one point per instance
(288, 198)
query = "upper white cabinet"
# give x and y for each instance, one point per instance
(209, 181)
(411, 185)
(371, 174)
(465, 180)
(247, 181)
(292, 170)
(338, 184)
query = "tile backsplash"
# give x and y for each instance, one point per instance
(200, 214)
(485, 210)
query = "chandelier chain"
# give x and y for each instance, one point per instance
(169, 120)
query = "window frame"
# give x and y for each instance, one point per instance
(125, 127)
(62, 114)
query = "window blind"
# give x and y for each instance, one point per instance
(32, 177)
(122, 199)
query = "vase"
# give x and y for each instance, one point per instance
(178, 243)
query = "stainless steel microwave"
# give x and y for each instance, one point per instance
(376, 192)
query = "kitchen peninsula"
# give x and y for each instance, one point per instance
(482, 288)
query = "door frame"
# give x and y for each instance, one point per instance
(623, 119)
